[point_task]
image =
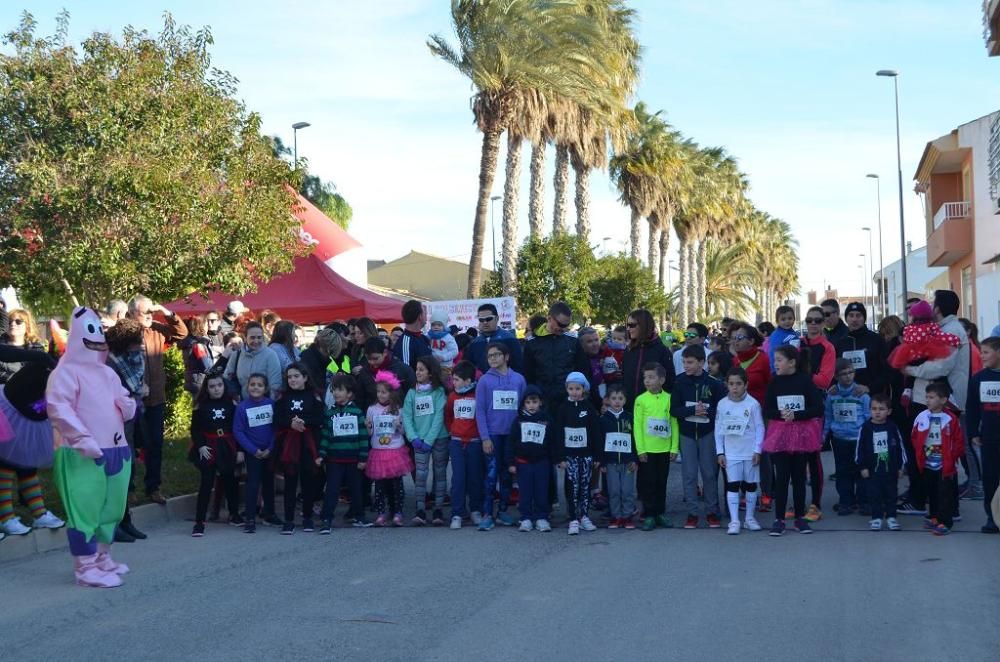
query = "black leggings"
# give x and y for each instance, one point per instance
(306, 473)
(741, 485)
(789, 467)
(815, 463)
(389, 496)
(229, 485)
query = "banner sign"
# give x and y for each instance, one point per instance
(462, 312)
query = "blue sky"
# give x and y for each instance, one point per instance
(788, 87)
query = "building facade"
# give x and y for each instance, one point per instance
(919, 279)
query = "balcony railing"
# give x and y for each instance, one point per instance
(950, 210)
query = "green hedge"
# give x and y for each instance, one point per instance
(178, 414)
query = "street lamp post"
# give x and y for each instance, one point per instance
(493, 228)
(295, 140)
(881, 265)
(864, 287)
(871, 271)
(892, 73)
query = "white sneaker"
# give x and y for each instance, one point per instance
(586, 524)
(543, 525)
(456, 522)
(526, 526)
(48, 521)
(477, 517)
(734, 527)
(893, 524)
(13, 527)
(751, 524)
(574, 528)
(875, 524)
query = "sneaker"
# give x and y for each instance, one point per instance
(628, 524)
(360, 523)
(235, 520)
(419, 518)
(777, 528)
(734, 527)
(543, 525)
(649, 524)
(875, 524)
(199, 530)
(574, 528)
(802, 526)
(382, 520)
(930, 523)
(504, 518)
(397, 519)
(989, 527)
(156, 497)
(906, 507)
(250, 527)
(940, 530)
(691, 522)
(713, 521)
(586, 524)
(437, 519)
(664, 522)
(273, 520)
(765, 504)
(813, 514)
(614, 523)
(326, 528)
(477, 517)
(977, 493)
(957, 517)
(307, 525)
(893, 524)
(525, 526)
(48, 521)
(287, 529)
(456, 522)
(14, 527)
(789, 513)
(486, 524)
(751, 524)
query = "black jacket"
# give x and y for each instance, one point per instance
(17, 357)
(621, 423)
(547, 361)
(797, 384)
(895, 453)
(578, 415)
(213, 416)
(650, 351)
(875, 374)
(703, 388)
(837, 333)
(518, 449)
(315, 364)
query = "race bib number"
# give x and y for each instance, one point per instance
(792, 402)
(618, 442)
(576, 437)
(505, 400)
(385, 425)
(989, 392)
(857, 359)
(845, 412)
(424, 405)
(880, 442)
(734, 425)
(258, 416)
(697, 419)
(532, 433)
(345, 426)
(609, 365)
(465, 408)
(658, 427)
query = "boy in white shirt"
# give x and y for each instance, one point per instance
(739, 433)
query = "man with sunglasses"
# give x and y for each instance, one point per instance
(551, 354)
(489, 331)
(833, 326)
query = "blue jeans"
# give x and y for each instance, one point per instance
(152, 444)
(260, 474)
(466, 476)
(533, 483)
(495, 470)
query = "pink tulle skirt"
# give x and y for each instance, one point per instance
(6, 434)
(29, 443)
(794, 437)
(391, 463)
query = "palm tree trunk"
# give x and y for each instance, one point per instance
(682, 309)
(634, 237)
(582, 201)
(561, 185)
(487, 173)
(692, 282)
(654, 243)
(702, 275)
(510, 191)
(664, 262)
(536, 197)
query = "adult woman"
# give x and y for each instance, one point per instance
(822, 355)
(283, 343)
(197, 352)
(23, 334)
(644, 346)
(268, 319)
(316, 357)
(253, 358)
(364, 328)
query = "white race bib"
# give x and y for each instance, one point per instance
(696, 419)
(792, 402)
(423, 405)
(857, 359)
(385, 425)
(505, 400)
(345, 426)
(465, 408)
(880, 442)
(258, 416)
(989, 391)
(618, 442)
(658, 427)
(845, 412)
(734, 425)
(609, 365)
(576, 437)
(532, 433)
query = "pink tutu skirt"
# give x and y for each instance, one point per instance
(29, 444)
(391, 463)
(6, 433)
(794, 437)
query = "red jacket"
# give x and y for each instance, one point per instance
(460, 418)
(952, 440)
(612, 372)
(821, 347)
(758, 370)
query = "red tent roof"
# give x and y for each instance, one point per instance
(329, 239)
(311, 293)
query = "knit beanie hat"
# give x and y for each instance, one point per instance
(578, 378)
(921, 310)
(440, 317)
(856, 307)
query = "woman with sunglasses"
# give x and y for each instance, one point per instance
(21, 334)
(644, 346)
(822, 358)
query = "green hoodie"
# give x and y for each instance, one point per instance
(428, 426)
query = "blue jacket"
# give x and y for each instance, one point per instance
(253, 438)
(493, 422)
(476, 351)
(688, 389)
(846, 413)
(778, 338)
(410, 347)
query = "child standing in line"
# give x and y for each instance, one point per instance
(344, 450)
(881, 456)
(530, 453)
(214, 450)
(298, 417)
(465, 449)
(657, 441)
(253, 427)
(938, 443)
(739, 435)
(577, 434)
(719, 362)
(982, 411)
(423, 420)
(845, 414)
(389, 459)
(618, 461)
(784, 334)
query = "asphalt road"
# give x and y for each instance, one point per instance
(844, 593)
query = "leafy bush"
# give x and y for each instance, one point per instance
(178, 414)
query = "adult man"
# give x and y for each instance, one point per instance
(413, 343)
(155, 335)
(590, 360)
(695, 334)
(833, 326)
(378, 358)
(550, 355)
(865, 349)
(228, 322)
(489, 332)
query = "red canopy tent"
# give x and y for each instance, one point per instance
(311, 293)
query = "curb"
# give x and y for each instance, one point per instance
(146, 516)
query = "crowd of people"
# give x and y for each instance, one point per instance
(362, 409)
